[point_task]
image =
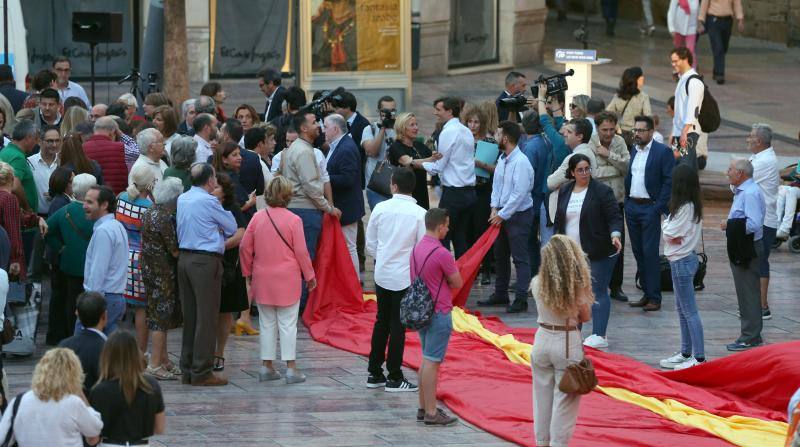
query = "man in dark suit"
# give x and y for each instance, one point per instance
(8, 88)
(251, 177)
(648, 186)
(344, 169)
(516, 83)
(269, 81)
(88, 343)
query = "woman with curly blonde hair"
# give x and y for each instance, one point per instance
(563, 291)
(55, 411)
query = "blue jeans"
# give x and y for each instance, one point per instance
(601, 309)
(373, 198)
(435, 337)
(545, 232)
(683, 271)
(312, 227)
(115, 308)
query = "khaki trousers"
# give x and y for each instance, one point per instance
(554, 413)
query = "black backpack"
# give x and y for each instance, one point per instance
(709, 117)
(417, 305)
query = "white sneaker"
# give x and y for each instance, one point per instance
(691, 361)
(595, 341)
(674, 361)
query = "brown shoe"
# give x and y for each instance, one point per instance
(641, 303)
(441, 419)
(652, 307)
(211, 380)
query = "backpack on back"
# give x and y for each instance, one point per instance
(709, 117)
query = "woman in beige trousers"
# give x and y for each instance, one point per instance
(563, 291)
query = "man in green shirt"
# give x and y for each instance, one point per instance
(24, 138)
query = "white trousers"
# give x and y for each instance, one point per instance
(350, 236)
(274, 320)
(786, 206)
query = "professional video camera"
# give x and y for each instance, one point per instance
(388, 118)
(318, 106)
(516, 103)
(555, 84)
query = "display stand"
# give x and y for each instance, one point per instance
(581, 62)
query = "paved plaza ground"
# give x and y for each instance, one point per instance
(335, 409)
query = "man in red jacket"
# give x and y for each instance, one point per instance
(103, 148)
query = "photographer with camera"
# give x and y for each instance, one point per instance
(375, 140)
(512, 102)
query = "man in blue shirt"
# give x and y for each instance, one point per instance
(106, 266)
(512, 210)
(538, 150)
(748, 206)
(203, 226)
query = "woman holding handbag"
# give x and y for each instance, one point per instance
(274, 259)
(681, 231)
(563, 291)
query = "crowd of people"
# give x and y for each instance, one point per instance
(171, 217)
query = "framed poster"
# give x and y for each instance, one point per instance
(357, 44)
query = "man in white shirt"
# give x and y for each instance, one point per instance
(66, 88)
(376, 139)
(688, 99)
(765, 174)
(205, 133)
(43, 164)
(456, 170)
(394, 228)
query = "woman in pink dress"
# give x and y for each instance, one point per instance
(274, 259)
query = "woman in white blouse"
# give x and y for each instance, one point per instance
(55, 411)
(681, 231)
(682, 24)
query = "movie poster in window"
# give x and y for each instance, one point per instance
(355, 35)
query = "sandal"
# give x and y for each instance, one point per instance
(160, 373)
(219, 363)
(173, 368)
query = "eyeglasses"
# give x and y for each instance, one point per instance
(635, 130)
(583, 170)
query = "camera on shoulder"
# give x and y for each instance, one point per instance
(555, 84)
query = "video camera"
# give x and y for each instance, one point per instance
(318, 106)
(514, 103)
(388, 118)
(555, 84)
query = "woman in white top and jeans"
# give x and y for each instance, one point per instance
(55, 412)
(681, 231)
(563, 291)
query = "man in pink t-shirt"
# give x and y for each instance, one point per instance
(440, 274)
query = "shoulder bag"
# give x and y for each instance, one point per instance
(579, 377)
(627, 135)
(289, 246)
(381, 178)
(417, 306)
(9, 441)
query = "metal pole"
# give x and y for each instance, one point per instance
(91, 65)
(5, 32)
(137, 28)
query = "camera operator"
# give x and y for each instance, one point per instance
(295, 98)
(375, 140)
(516, 83)
(551, 119)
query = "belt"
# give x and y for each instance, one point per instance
(459, 187)
(107, 442)
(641, 201)
(720, 17)
(553, 327)
(481, 181)
(202, 252)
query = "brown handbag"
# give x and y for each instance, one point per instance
(8, 332)
(579, 377)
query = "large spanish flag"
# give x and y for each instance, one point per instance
(486, 376)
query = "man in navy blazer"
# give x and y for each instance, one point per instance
(344, 169)
(648, 186)
(269, 81)
(88, 343)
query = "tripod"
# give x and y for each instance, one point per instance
(135, 78)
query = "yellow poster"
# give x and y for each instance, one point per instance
(355, 35)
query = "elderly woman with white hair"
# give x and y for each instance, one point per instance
(159, 275)
(151, 149)
(68, 234)
(131, 106)
(183, 154)
(131, 206)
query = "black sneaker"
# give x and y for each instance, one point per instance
(376, 381)
(766, 314)
(493, 300)
(619, 295)
(739, 345)
(400, 386)
(519, 305)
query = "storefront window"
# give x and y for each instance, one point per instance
(473, 32)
